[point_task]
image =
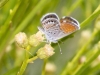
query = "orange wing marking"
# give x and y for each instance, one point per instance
(67, 27)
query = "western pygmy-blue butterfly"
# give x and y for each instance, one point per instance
(55, 28)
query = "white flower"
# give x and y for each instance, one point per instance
(45, 52)
(36, 39)
(21, 39)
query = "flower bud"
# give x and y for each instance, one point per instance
(36, 39)
(82, 59)
(99, 45)
(50, 69)
(98, 58)
(97, 24)
(45, 52)
(11, 11)
(8, 48)
(96, 62)
(21, 39)
(85, 36)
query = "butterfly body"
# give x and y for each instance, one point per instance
(55, 29)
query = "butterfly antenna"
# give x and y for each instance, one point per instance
(61, 41)
(29, 53)
(60, 48)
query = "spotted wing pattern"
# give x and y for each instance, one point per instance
(50, 26)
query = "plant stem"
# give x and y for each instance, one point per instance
(29, 17)
(24, 65)
(94, 69)
(3, 2)
(75, 5)
(26, 61)
(80, 52)
(32, 59)
(43, 70)
(92, 16)
(5, 38)
(9, 18)
(12, 71)
(20, 27)
(81, 67)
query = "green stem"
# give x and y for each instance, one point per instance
(88, 8)
(75, 5)
(24, 65)
(80, 52)
(29, 17)
(32, 59)
(94, 69)
(21, 26)
(7, 22)
(83, 66)
(12, 71)
(92, 16)
(3, 2)
(5, 38)
(26, 61)
(43, 70)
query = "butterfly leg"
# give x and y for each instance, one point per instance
(41, 29)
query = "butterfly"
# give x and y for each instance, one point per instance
(55, 28)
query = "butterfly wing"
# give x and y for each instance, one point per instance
(55, 29)
(48, 20)
(49, 15)
(68, 25)
(50, 26)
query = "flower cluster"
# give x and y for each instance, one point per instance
(34, 40)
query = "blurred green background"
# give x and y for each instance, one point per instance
(24, 16)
